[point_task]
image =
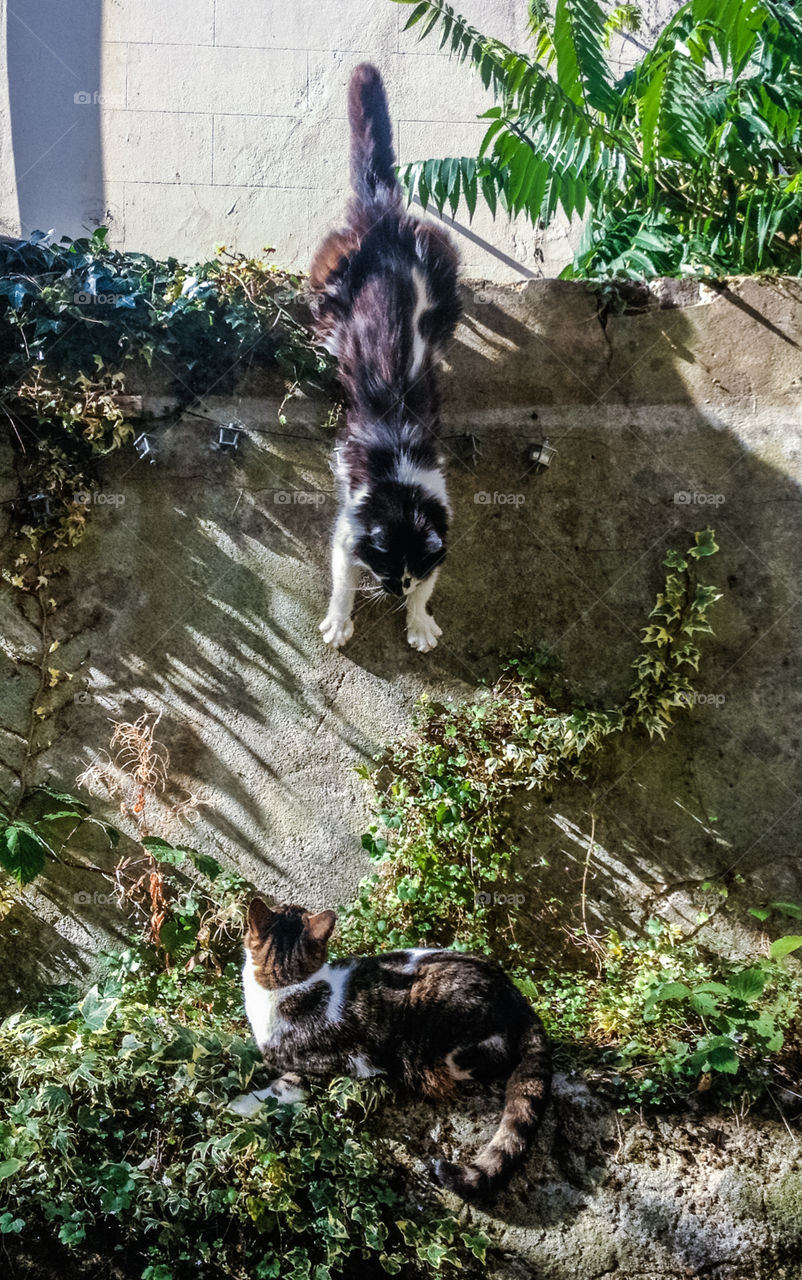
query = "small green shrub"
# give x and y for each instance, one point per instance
(442, 832)
(661, 1015)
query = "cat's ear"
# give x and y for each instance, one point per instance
(378, 537)
(321, 926)
(260, 917)
(434, 542)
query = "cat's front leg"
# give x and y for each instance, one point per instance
(287, 1089)
(337, 626)
(422, 630)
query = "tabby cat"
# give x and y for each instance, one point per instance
(384, 297)
(430, 1020)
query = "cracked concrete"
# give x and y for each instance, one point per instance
(611, 1197)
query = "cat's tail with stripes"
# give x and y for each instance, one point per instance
(525, 1101)
(372, 157)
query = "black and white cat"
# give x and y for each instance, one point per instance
(430, 1020)
(384, 297)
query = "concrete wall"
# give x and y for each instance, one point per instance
(186, 123)
(197, 593)
(199, 590)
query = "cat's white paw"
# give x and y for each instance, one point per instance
(422, 632)
(336, 631)
(247, 1104)
(287, 1090)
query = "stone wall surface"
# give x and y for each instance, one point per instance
(198, 591)
(186, 123)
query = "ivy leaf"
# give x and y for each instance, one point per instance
(95, 1010)
(674, 560)
(9, 1167)
(706, 544)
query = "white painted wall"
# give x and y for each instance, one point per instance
(186, 123)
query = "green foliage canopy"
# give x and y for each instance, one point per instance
(690, 162)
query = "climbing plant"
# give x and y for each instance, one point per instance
(652, 1015)
(442, 834)
(689, 162)
(75, 319)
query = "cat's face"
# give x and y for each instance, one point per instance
(287, 944)
(401, 542)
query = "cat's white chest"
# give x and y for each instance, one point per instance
(261, 1006)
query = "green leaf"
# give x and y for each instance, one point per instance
(579, 45)
(9, 1167)
(791, 909)
(95, 1010)
(703, 1003)
(205, 863)
(784, 946)
(674, 560)
(673, 991)
(748, 984)
(706, 544)
(722, 1058)
(22, 854)
(162, 851)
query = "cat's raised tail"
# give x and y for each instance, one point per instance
(372, 157)
(525, 1101)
